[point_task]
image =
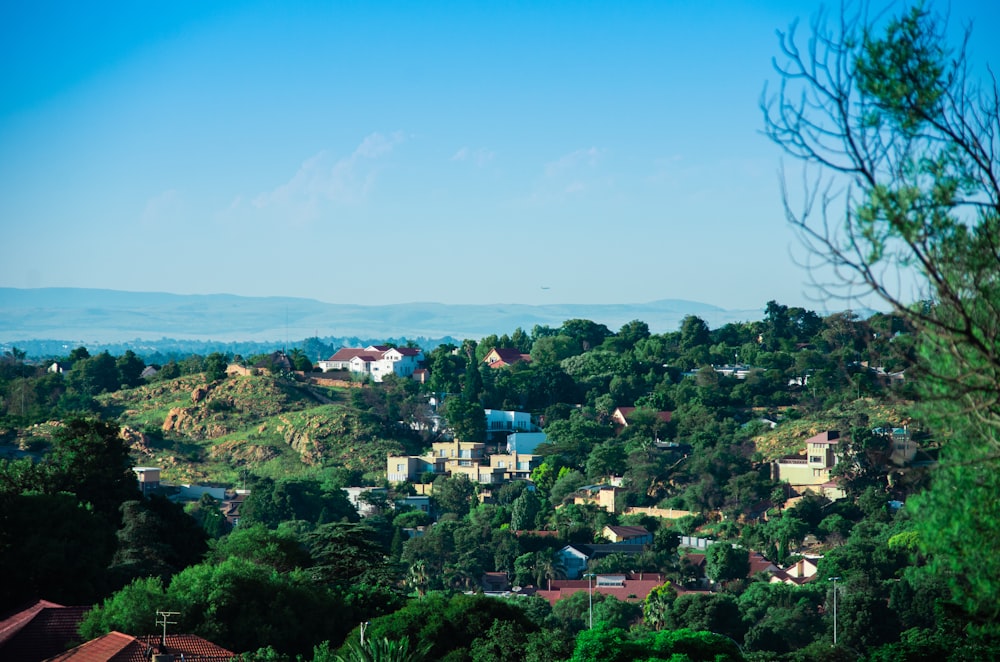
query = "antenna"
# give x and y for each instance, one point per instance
(162, 618)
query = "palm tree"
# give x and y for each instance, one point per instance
(418, 578)
(384, 650)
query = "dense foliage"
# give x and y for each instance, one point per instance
(708, 410)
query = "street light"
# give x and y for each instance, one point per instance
(590, 584)
(364, 624)
(834, 580)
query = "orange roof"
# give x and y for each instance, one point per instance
(635, 589)
(828, 437)
(118, 647)
(39, 631)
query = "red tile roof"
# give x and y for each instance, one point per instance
(346, 353)
(828, 437)
(39, 631)
(635, 589)
(118, 647)
(506, 356)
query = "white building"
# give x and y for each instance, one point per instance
(376, 361)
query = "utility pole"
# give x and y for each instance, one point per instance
(834, 580)
(590, 584)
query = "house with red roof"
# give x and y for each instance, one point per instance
(376, 361)
(630, 587)
(39, 631)
(119, 647)
(501, 357)
(622, 415)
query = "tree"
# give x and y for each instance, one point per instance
(466, 418)
(215, 366)
(904, 144)
(524, 511)
(262, 546)
(130, 369)
(453, 494)
(894, 115)
(723, 562)
(90, 460)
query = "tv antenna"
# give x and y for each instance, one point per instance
(163, 618)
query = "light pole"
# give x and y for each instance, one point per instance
(834, 580)
(363, 625)
(590, 584)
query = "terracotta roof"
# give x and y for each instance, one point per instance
(39, 631)
(635, 589)
(118, 647)
(828, 437)
(346, 353)
(506, 356)
(626, 413)
(760, 564)
(541, 533)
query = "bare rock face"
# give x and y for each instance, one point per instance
(136, 440)
(172, 418)
(242, 453)
(199, 394)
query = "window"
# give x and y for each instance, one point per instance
(399, 467)
(815, 459)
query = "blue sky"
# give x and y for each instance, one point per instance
(382, 152)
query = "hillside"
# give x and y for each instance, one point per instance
(790, 436)
(200, 432)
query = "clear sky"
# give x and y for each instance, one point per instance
(392, 152)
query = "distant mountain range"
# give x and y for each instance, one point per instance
(106, 316)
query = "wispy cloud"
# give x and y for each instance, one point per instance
(570, 174)
(572, 162)
(479, 157)
(161, 208)
(323, 179)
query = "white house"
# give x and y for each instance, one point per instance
(500, 422)
(376, 361)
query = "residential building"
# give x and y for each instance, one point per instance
(119, 646)
(636, 535)
(904, 449)
(501, 357)
(515, 466)
(525, 442)
(607, 497)
(376, 361)
(626, 587)
(361, 505)
(39, 631)
(621, 415)
(148, 477)
(409, 468)
(800, 572)
(501, 423)
(416, 502)
(575, 557)
(813, 469)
